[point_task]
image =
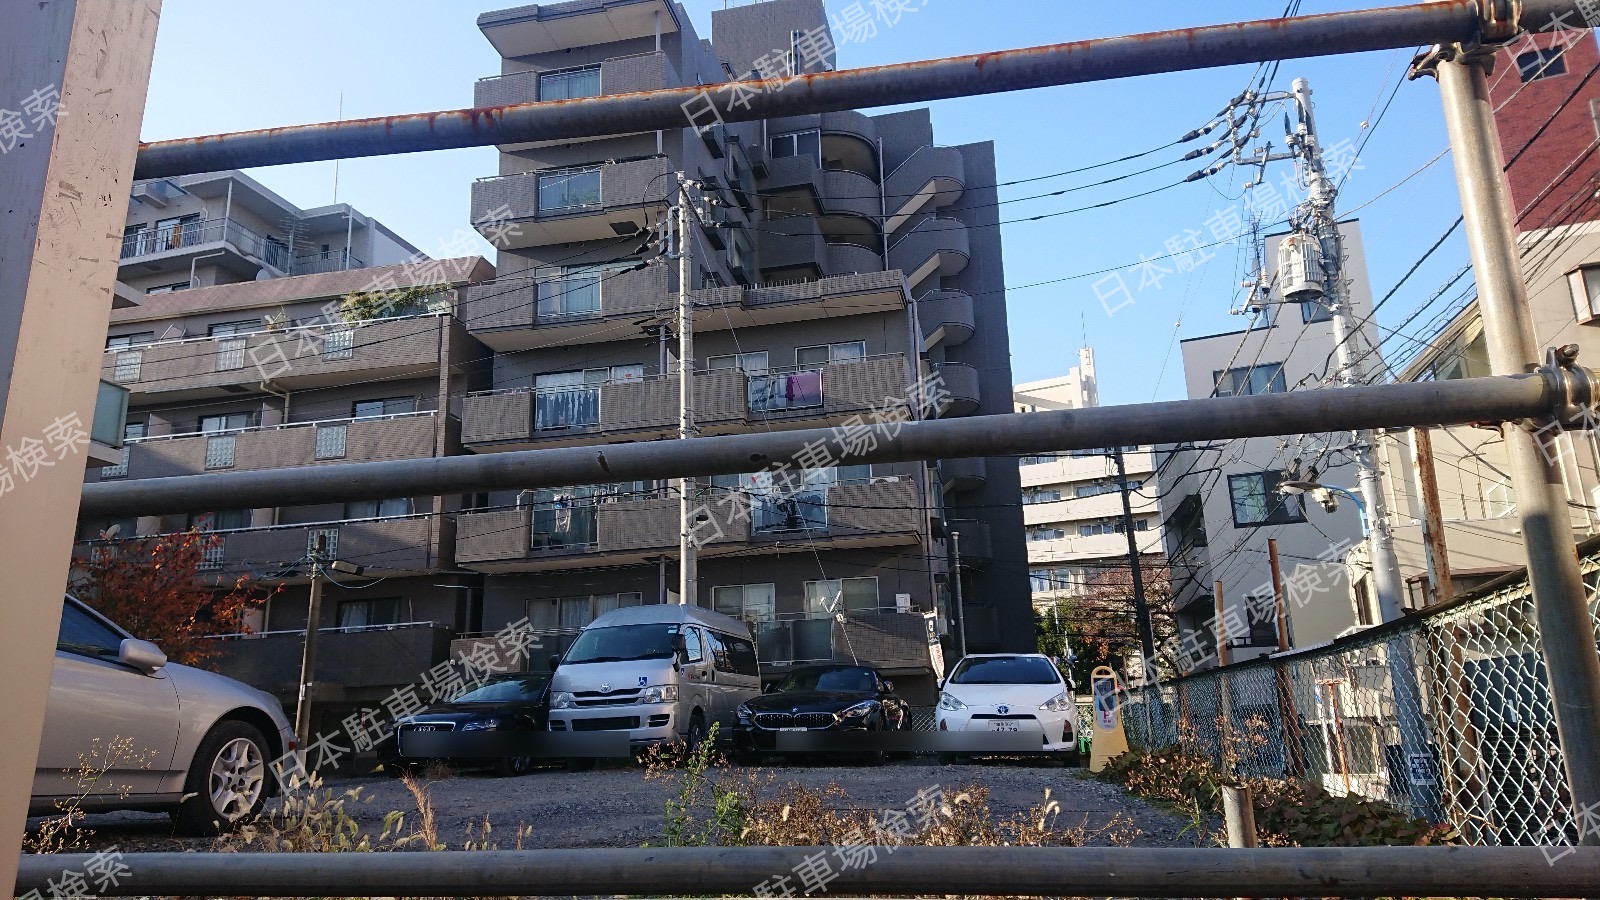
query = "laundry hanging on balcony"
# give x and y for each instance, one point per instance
(796, 390)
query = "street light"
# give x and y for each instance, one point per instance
(1327, 496)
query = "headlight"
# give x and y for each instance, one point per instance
(562, 700)
(949, 702)
(745, 713)
(1059, 703)
(661, 693)
(485, 725)
(859, 711)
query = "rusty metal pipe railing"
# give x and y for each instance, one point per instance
(916, 82)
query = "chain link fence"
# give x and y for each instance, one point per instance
(1446, 715)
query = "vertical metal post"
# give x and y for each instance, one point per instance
(955, 592)
(1433, 542)
(308, 658)
(1239, 815)
(688, 564)
(75, 76)
(1221, 628)
(1566, 631)
(1281, 607)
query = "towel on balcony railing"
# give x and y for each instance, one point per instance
(566, 409)
(793, 391)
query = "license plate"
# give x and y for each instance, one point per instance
(1003, 725)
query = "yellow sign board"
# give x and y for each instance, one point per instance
(1109, 739)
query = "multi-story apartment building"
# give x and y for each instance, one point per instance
(1072, 504)
(834, 262)
(255, 368)
(1222, 496)
(1547, 121)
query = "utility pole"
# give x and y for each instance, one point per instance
(688, 564)
(308, 658)
(955, 592)
(1433, 545)
(1141, 607)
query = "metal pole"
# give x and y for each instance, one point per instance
(1435, 552)
(1279, 605)
(308, 659)
(917, 82)
(1221, 629)
(955, 593)
(967, 871)
(1457, 401)
(688, 563)
(1141, 608)
(1566, 630)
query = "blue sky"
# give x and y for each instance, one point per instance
(226, 65)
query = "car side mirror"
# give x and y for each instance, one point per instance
(141, 655)
(555, 660)
(680, 646)
(769, 687)
(939, 685)
(888, 686)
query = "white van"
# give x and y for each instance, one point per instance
(663, 673)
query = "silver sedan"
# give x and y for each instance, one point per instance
(153, 735)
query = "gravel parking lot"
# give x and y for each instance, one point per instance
(619, 807)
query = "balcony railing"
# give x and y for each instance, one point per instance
(649, 71)
(200, 232)
(368, 656)
(880, 637)
(331, 261)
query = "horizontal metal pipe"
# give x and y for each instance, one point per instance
(1036, 871)
(916, 82)
(1299, 412)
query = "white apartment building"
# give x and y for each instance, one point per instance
(1072, 506)
(1222, 494)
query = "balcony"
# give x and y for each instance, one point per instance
(936, 246)
(589, 203)
(851, 194)
(967, 474)
(173, 246)
(553, 27)
(946, 316)
(406, 436)
(850, 259)
(641, 409)
(830, 392)
(931, 178)
(291, 358)
(373, 656)
(885, 639)
(512, 318)
(791, 245)
(651, 71)
(961, 383)
(977, 548)
(613, 531)
(330, 261)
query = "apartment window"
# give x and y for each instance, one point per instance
(848, 594)
(827, 354)
(1545, 62)
(387, 406)
(569, 189)
(576, 612)
(752, 602)
(137, 240)
(570, 84)
(800, 143)
(225, 520)
(331, 441)
(1038, 496)
(572, 399)
(323, 542)
(1257, 502)
(363, 613)
(1464, 356)
(1585, 284)
(127, 341)
(130, 431)
(573, 292)
(753, 362)
(167, 288)
(228, 329)
(1110, 526)
(1102, 487)
(339, 343)
(181, 231)
(377, 509)
(1037, 459)
(226, 422)
(230, 354)
(1266, 378)
(1045, 534)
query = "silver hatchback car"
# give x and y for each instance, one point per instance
(199, 745)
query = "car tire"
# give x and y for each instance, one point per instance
(696, 733)
(227, 783)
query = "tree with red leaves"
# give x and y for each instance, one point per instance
(157, 589)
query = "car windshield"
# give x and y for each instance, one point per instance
(1006, 670)
(622, 642)
(527, 687)
(857, 680)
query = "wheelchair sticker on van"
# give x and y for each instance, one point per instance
(644, 680)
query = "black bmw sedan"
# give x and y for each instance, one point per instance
(503, 703)
(820, 698)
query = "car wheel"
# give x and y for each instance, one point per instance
(227, 782)
(697, 732)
